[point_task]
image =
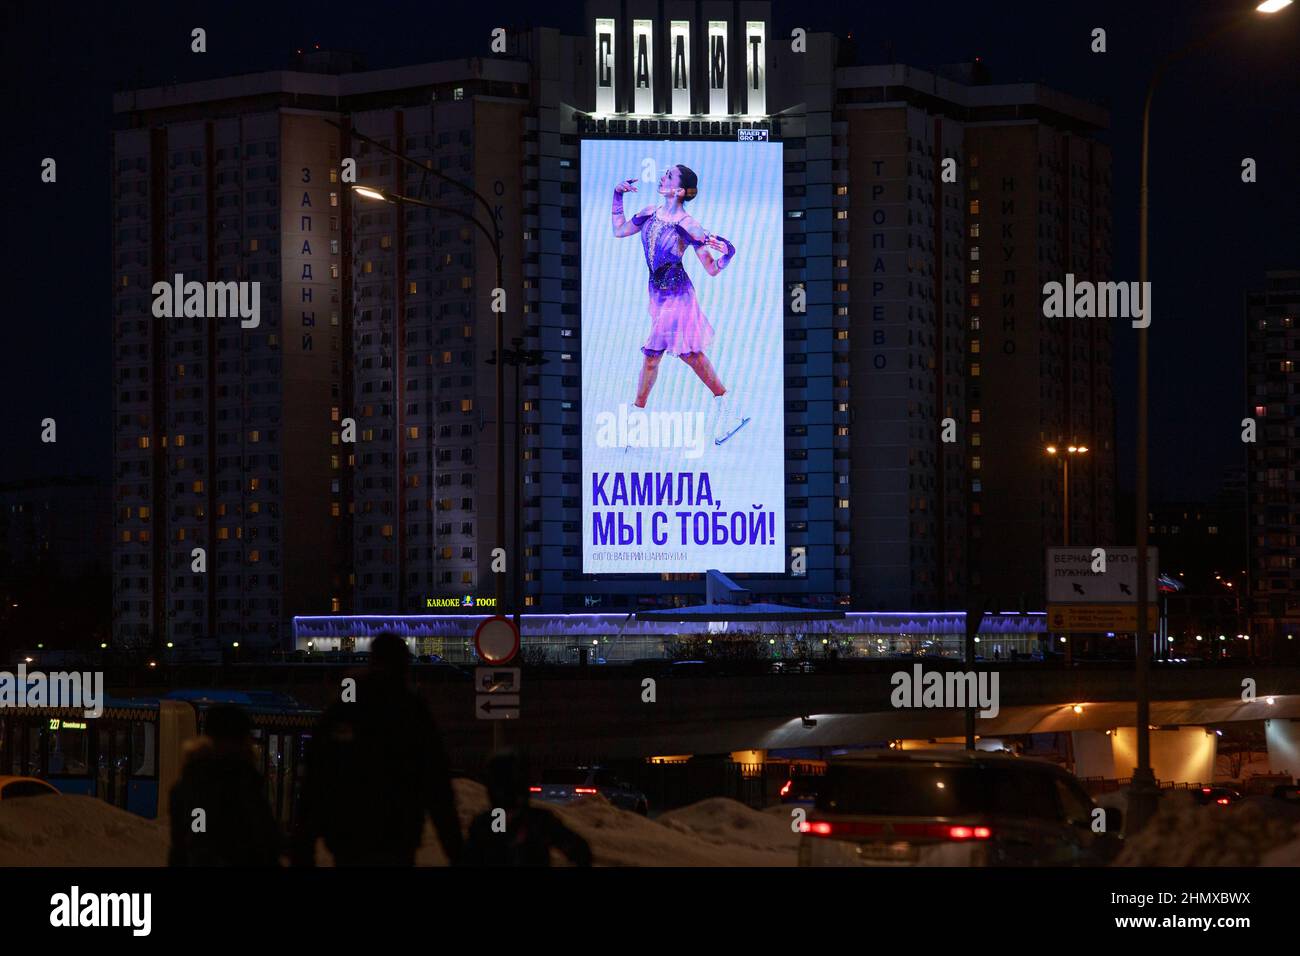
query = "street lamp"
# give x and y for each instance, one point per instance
(370, 192)
(1070, 452)
(518, 356)
(1144, 792)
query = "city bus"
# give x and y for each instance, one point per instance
(131, 755)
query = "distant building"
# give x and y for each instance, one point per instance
(1273, 459)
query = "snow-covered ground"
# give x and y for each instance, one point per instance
(83, 831)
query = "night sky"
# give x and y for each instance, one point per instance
(1212, 236)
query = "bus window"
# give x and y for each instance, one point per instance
(35, 767)
(68, 751)
(143, 749)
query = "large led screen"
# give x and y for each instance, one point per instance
(682, 358)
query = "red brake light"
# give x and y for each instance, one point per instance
(534, 789)
(820, 827)
(1223, 801)
(786, 788)
(969, 833)
(1205, 789)
(584, 789)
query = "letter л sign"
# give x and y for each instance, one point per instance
(679, 66)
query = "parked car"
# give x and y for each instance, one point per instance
(1222, 796)
(14, 787)
(567, 786)
(955, 808)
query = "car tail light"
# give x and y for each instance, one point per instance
(1223, 801)
(584, 789)
(534, 789)
(969, 833)
(933, 831)
(1205, 789)
(786, 789)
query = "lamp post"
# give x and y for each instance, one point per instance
(519, 356)
(1144, 791)
(1070, 452)
(376, 193)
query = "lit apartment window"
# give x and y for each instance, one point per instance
(334, 509)
(841, 214)
(413, 431)
(255, 436)
(467, 404)
(385, 242)
(180, 371)
(253, 483)
(841, 502)
(334, 199)
(458, 93)
(975, 463)
(975, 415)
(410, 288)
(975, 369)
(974, 253)
(466, 282)
(254, 556)
(180, 441)
(842, 334)
(975, 439)
(126, 280)
(142, 441)
(975, 346)
(974, 207)
(367, 267)
(974, 323)
(335, 606)
(841, 190)
(334, 175)
(974, 277)
(974, 230)
(386, 531)
(252, 245)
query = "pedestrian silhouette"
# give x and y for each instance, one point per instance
(375, 770)
(524, 835)
(220, 778)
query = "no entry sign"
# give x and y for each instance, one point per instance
(496, 641)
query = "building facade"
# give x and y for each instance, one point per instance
(921, 380)
(1273, 461)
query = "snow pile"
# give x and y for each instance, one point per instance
(1185, 833)
(715, 832)
(77, 831)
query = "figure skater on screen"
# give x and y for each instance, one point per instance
(677, 326)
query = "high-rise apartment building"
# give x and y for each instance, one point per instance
(922, 214)
(1273, 461)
